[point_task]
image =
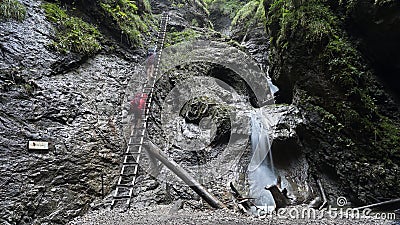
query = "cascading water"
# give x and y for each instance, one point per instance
(261, 172)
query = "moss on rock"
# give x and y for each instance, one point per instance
(318, 67)
(226, 7)
(12, 9)
(133, 20)
(175, 37)
(250, 14)
(73, 34)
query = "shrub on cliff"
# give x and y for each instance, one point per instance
(12, 9)
(318, 67)
(133, 20)
(73, 34)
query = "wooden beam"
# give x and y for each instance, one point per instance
(154, 151)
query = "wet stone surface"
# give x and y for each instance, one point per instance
(77, 109)
(79, 114)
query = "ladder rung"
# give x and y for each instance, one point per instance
(126, 180)
(125, 185)
(128, 175)
(129, 151)
(133, 158)
(122, 196)
(130, 163)
(132, 154)
(126, 171)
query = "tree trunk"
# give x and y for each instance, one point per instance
(154, 151)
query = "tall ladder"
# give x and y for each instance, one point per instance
(130, 163)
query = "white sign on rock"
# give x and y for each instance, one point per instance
(38, 145)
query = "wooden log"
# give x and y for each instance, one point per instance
(280, 199)
(236, 194)
(185, 176)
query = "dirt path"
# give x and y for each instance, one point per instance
(162, 215)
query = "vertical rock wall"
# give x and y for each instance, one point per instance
(352, 129)
(73, 102)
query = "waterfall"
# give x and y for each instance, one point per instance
(261, 172)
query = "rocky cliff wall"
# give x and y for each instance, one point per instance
(71, 100)
(351, 136)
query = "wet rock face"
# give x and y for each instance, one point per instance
(192, 131)
(289, 157)
(375, 24)
(75, 108)
(208, 106)
(346, 135)
(183, 13)
(78, 113)
(23, 44)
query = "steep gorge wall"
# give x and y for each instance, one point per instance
(72, 100)
(352, 131)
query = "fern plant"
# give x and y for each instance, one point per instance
(12, 9)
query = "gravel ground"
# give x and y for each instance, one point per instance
(162, 214)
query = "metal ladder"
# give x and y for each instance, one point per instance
(130, 163)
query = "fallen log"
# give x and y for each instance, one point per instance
(243, 202)
(154, 151)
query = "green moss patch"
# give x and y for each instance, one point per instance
(312, 54)
(252, 13)
(175, 37)
(12, 9)
(316, 22)
(130, 19)
(73, 34)
(226, 7)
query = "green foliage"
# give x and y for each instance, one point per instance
(13, 78)
(315, 20)
(343, 63)
(12, 9)
(174, 37)
(194, 23)
(384, 2)
(125, 14)
(388, 135)
(54, 13)
(247, 13)
(73, 34)
(347, 70)
(147, 6)
(308, 30)
(226, 7)
(201, 5)
(260, 14)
